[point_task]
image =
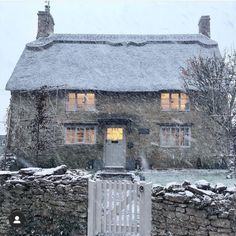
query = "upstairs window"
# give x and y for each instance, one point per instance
(174, 101)
(80, 101)
(179, 136)
(80, 135)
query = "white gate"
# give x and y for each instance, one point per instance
(119, 207)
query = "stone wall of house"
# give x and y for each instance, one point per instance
(2, 143)
(200, 209)
(53, 202)
(144, 109)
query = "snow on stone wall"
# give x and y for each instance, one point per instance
(54, 201)
(194, 209)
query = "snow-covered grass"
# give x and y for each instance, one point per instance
(165, 176)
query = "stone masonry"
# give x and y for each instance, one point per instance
(52, 201)
(55, 202)
(144, 111)
(199, 209)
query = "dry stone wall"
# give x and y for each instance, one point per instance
(53, 202)
(199, 209)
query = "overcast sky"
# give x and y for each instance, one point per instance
(18, 24)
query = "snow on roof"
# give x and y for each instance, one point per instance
(118, 63)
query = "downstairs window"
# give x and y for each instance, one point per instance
(175, 136)
(80, 135)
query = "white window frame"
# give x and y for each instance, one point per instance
(169, 145)
(179, 102)
(85, 106)
(76, 127)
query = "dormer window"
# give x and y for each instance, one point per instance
(174, 101)
(80, 101)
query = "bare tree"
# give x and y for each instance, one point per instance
(34, 127)
(211, 85)
(41, 124)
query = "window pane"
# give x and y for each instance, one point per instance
(176, 137)
(71, 102)
(184, 102)
(181, 137)
(92, 135)
(165, 101)
(90, 100)
(89, 135)
(163, 137)
(86, 133)
(114, 134)
(175, 101)
(81, 99)
(80, 135)
(186, 137)
(172, 139)
(70, 135)
(166, 136)
(73, 135)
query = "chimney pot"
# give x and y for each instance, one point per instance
(204, 26)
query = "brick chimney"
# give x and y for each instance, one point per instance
(45, 22)
(204, 26)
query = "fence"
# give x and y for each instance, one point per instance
(119, 207)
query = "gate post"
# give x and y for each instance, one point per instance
(145, 208)
(91, 207)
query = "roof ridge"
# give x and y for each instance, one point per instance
(121, 39)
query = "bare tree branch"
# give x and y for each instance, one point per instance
(211, 85)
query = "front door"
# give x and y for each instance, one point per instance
(115, 147)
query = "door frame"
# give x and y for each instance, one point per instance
(124, 140)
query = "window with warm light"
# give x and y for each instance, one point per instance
(71, 104)
(165, 101)
(176, 136)
(80, 135)
(174, 101)
(114, 134)
(77, 101)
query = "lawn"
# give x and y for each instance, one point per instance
(166, 176)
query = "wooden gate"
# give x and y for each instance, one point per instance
(119, 207)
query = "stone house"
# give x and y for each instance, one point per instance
(115, 100)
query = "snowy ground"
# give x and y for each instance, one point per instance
(165, 176)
